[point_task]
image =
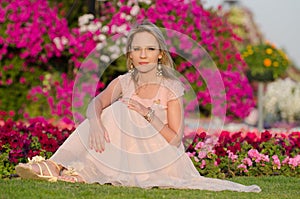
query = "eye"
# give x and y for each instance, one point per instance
(151, 48)
(136, 48)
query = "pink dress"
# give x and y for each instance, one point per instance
(137, 154)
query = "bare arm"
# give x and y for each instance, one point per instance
(97, 132)
(173, 131)
(109, 95)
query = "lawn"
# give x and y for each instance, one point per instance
(272, 187)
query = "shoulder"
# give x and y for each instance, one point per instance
(125, 78)
(174, 87)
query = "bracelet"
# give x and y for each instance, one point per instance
(149, 116)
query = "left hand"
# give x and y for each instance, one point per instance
(135, 105)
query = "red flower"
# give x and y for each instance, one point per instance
(236, 137)
(224, 138)
(219, 150)
(265, 136)
(235, 148)
(202, 135)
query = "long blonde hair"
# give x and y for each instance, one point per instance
(166, 60)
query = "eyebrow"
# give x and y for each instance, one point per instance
(145, 46)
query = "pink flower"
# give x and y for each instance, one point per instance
(232, 156)
(247, 161)
(295, 161)
(244, 167)
(199, 145)
(253, 153)
(286, 160)
(190, 154)
(202, 154)
(22, 80)
(203, 164)
(276, 161)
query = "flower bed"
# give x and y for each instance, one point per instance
(231, 154)
(19, 141)
(246, 154)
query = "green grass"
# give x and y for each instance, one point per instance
(272, 187)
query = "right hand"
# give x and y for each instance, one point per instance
(98, 135)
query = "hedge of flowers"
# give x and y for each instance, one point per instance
(19, 141)
(37, 42)
(246, 154)
(34, 42)
(222, 155)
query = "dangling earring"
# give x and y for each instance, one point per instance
(159, 68)
(131, 69)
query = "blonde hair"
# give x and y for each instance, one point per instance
(166, 60)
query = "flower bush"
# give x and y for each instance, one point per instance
(246, 154)
(34, 42)
(37, 42)
(282, 101)
(265, 62)
(225, 154)
(209, 30)
(19, 141)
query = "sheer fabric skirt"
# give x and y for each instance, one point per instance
(137, 155)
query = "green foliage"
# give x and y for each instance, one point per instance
(265, 62)
(6, 167)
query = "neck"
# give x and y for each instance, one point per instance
(149, 77)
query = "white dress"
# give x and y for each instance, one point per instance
(137, 154)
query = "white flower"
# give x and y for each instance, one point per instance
(114, 56)
(36, 159)
(128, 18)
(85, 19)
(64, 40)
(101, 37)
(134, 10)
(121, 28)
(92, 28)
(123, 15)
(104, 58)
(98, 24)
(282, 97)
(113, 28)
(83, 29)
(105, 29)
(58, 43)
(148, 2)
(99, 46)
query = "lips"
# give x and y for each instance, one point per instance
(143, 63)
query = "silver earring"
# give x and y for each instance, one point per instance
(159, 68)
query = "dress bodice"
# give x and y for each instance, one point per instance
(168, 90)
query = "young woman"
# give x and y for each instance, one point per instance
(133, 132)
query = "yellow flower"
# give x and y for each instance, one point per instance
(269, 51)
(275, 64)
(267, 62)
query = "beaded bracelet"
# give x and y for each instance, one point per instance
(149, 116)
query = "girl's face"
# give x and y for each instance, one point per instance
(144, 52)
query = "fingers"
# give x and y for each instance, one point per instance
(106, 137)
(97, 138)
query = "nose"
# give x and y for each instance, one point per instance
(143, 53)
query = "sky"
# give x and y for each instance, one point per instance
(279, 22)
